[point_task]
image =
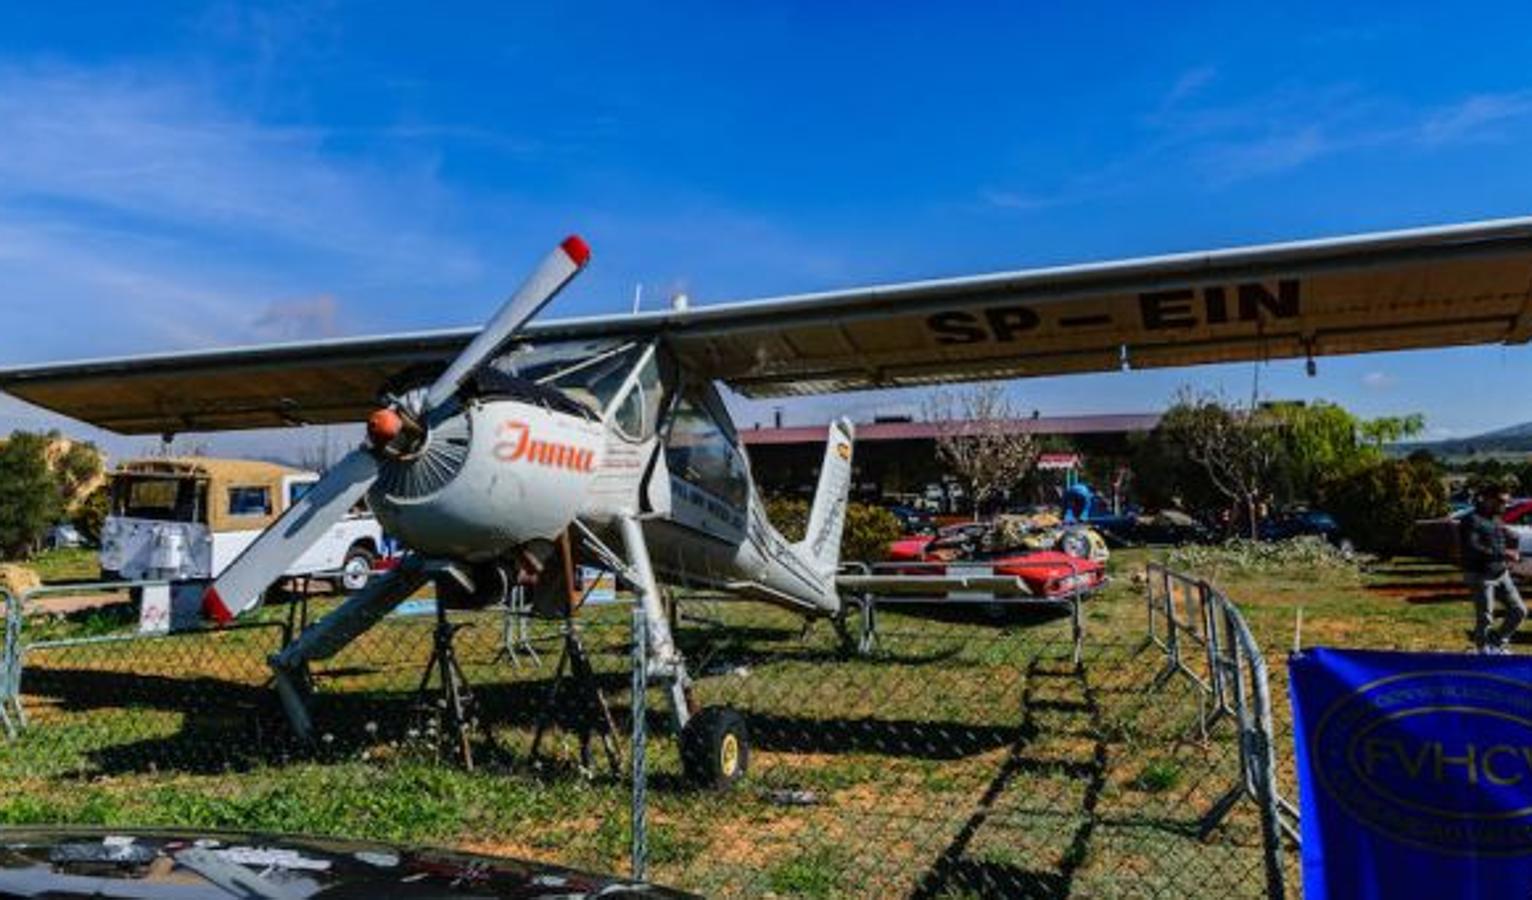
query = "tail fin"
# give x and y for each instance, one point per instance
(827, 519)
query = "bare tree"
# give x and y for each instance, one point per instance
(980, 438)
(1240, 449)
(321, 453)
(173, 446)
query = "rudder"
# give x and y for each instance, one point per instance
(827, 517)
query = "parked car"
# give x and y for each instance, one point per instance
(1303, 523)
(1438, 538)
(912, 520)
(1169, 526)
(63, 536)
(83, 862)
(1066, 564)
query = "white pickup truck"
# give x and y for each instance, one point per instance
(188, 518)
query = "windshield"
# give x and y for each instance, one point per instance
(159, 498)
(587, 371)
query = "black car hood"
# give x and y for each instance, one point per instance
(170, 865)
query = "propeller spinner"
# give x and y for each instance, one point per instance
(393, 430)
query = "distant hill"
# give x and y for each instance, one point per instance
(1514, 440)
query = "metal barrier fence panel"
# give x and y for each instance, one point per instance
(969, 754)
(1235, 684)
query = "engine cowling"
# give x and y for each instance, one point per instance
(493, 475)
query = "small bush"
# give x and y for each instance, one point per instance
(869, 529)
(1244, 556)
(1377, 506)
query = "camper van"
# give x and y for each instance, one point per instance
(188, 518)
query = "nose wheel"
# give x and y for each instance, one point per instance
(715, 748)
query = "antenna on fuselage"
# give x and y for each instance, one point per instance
(638, 296)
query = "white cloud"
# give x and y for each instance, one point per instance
(1378, 381)
(1474, 118)
(1190, 82)
(304, 318)
(162, 150)
(1269, 154)
(1011, 200)
(1290, 126)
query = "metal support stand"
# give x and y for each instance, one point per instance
(453, 698)
(516, 630)
(1077, 628)
(638, 749)
(867, 641)
(589, 705)
(11, 711)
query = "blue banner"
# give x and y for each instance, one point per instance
(1414, 774)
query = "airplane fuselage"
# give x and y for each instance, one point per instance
(498, 473)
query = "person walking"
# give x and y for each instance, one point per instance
(1487, 558)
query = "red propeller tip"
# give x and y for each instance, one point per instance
(576, 249)
(214, 607)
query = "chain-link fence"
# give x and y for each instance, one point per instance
(968, 754)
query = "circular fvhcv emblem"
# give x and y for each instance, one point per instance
(1439, 760)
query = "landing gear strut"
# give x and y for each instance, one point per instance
(715, 743)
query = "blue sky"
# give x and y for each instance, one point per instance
(180, 175)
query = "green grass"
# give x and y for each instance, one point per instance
(813, 874)
(79, 564)
(1158, 776)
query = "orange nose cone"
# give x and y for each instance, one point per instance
(383, 426)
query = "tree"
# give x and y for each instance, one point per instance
(30, 499)
(1323, 443)
(1378, 505)
(1237, 449)
(979, 439)
(90, 514)
(78, 469)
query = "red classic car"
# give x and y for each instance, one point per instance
(1046, 573)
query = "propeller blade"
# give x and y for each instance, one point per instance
(331, 634)
(240, 586)
(351, 619)
(550, 276)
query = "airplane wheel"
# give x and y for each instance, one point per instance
(715, 748)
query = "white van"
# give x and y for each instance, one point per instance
(188, 518)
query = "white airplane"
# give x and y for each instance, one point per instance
(500, 456)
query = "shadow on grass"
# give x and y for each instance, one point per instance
(228, 725)
(1436, 599)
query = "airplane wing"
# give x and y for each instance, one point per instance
(1431, 287)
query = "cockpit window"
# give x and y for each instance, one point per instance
(700, 451)
(587, 371)
(638, 412)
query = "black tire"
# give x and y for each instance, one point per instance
(356, 568)
(715, 748)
